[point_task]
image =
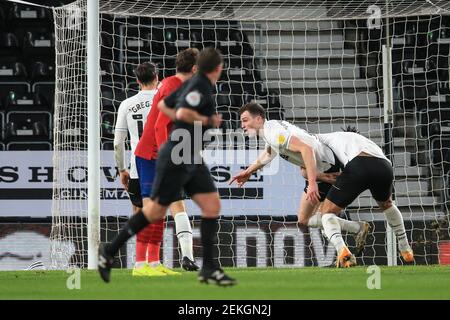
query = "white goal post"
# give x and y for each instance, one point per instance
(381, 66)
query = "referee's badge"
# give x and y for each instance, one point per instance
(193, 98)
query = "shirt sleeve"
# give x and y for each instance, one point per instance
(277, 135)
(171, 99)
(120, 135)
(121, 123)
(162, 129)
(193, 99)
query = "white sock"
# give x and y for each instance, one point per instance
(154, 264)
(332, 230)
(139, 264)
(184, 234)
(350, 226)
(395, 220)
(315, 221)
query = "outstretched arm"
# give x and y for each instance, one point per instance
(263, 159)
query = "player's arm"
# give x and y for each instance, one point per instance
(168, 111)
(296, 145)
(120, 135)
(263, 159)
(191, 116)
(187, 111)
(162, 126)
(322, 176)
(167, 104)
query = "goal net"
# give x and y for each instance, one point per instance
(317, 64)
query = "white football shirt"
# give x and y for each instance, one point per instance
(348, 145)
(277, 135)
(131, 117)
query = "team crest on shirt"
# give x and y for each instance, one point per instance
(193, 98)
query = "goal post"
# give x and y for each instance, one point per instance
(322, 65)
(93, 101)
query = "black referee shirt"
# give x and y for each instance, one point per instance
(195, 94)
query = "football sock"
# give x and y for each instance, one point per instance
(184, 234)
(332, 230)
(395, 220)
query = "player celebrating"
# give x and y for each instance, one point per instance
(180, 167)
(328, 166)
(365, 167)
(317, 156)
(155, 134)
(131, 117)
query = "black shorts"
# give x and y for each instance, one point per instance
(134, 192)
(324, 187)
(360, 174)
(172, 179)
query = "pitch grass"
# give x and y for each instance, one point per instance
(407, 282)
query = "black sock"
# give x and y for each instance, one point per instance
(208, 231)
(136, 223)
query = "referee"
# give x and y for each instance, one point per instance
(180, 168)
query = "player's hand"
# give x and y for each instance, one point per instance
(313, 193)
(215, 120)
(240, 178)
(125, 179)
(329, 177)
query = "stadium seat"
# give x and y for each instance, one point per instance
(111, 96)
(196, 39)
(413, 94)
(18, 87)
(28, 126)
(168, 68)
(434, 122)
(2, 126)
(204, 38)
(12, 70)
(46, 89)
(9, 44)
(110, 71)
(36, 42)
(2, 17)
(108, 122)
(42, 71)
(131, 89)
(29, 145)
(25, 101)
(170, 41)
(229, 41)
(106, 46)
(183, 39)
(21, 14)
(439, 147)
(156, 39)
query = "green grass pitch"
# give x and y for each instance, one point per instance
(407, 282)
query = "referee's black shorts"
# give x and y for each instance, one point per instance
(360, 174)
(172, 179)
(134, 192)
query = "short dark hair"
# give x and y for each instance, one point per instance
(186, 60)
(208, 60)
(255, 109)
(146, 72)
